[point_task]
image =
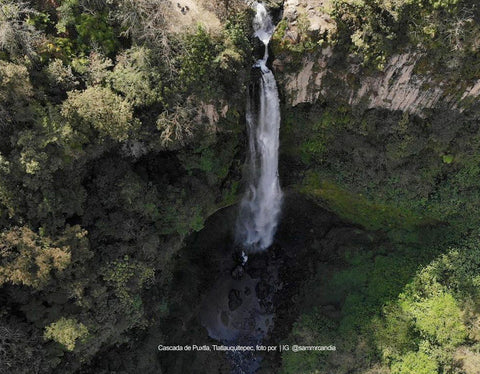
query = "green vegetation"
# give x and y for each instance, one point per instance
(122, 130)
(99, 107)
(358, 209)
(66, 332)
(405, 300)
(113, 134)
(376, 29)
(386, 171)
(398, 310)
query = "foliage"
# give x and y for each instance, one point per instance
(375, 29)
(16, 92)
(107, 130)
(356, 208)
(17, 36)
(406, 306)
(410, 308)
(176, 126)
(93, 29)
(66, 331)
(103, 125)
(21, 347)
(394, 160)
(439, 318)
(415, 363)
(101, 109)
(134, 77)
(435, 312)
(61, 75)
(197, 68)
(128, 277)
(310, 329)
(29, 259)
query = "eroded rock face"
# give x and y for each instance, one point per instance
(398, 87)
(308, 77)
(311, 11)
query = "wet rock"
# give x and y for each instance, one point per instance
(256, 266)
(247, 291)
(234, 299)
(263, 289)
(268, 307)
(237, 272)
(225, 318)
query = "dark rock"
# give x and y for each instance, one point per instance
(234, 299)
(263, 289)
(256, 266)
(237, 272)
(225, 318)
(268, 307)
(238, 255)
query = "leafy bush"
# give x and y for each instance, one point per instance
(101, 109)
(136, 78)
(17, 36)
(30, 259)
(66, 331)
(129, 277)
(197, 71)
(93, 29)
(415, 363)
(16, 94)
(439, 318)
(375, 29)
(432, 313)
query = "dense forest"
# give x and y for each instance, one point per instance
(122, 145)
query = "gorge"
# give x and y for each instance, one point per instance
(140, 200)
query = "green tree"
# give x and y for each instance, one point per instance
(136, 77)
(17, 36)
(439, 318)
(66, 331)
(29, 259)
(415, 363)
(101, 109)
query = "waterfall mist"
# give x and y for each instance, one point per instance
(261, 204)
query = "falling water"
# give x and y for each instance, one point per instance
(261, 204)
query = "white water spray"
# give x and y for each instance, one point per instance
(261, 204)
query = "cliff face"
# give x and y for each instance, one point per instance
(397, 87)
(401, 134)
(380, 125)
(402, 84)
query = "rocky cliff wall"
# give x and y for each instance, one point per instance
(403, 83)
(383, 146)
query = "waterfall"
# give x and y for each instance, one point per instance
(261, 204)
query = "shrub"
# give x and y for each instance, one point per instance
(17, 36)
(66, 331)
(28, 258)
(136, 78)
(102, 109)
(439, 318)
(415, 363)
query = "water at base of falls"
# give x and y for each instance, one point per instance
(261, 204)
